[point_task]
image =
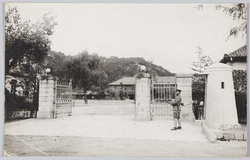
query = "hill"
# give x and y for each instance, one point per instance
(114, 67)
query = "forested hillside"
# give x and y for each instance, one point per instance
(119, 67)
(110, 69)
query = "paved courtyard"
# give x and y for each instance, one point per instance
(108, 128)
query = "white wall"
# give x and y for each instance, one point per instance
(238, 65)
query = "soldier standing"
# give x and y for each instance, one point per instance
(176, 103)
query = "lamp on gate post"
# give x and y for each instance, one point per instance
(142, 73)
(47, 71)
(143, 68)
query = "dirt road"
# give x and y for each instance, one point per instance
(107, 128)
(102, 147)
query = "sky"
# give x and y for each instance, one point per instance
(166, 34)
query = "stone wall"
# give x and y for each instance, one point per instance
(22, 114)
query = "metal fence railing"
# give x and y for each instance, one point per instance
(160, 94)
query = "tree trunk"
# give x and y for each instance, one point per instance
(35, 99)
(85, 96)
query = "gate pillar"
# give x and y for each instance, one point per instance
(184, 83)
(46, 98)
(142, 96)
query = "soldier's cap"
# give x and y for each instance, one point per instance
(178, 90)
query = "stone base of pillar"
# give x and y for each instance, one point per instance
(226, 132)
(226, 127)
(45, 115)
(223, 126)
(142, 116)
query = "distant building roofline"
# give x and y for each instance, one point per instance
(131, 80)
(239, 55)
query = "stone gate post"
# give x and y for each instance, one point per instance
(184, 83)
(46, 105)
(142, 97)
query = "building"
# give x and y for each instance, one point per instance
(237, 59)
(125, 87)
(13, 85)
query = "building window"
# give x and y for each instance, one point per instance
(222, 85)
(125, 88)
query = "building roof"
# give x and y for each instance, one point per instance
(124, 81)
(241, 52)
(131, 80)
(238, 55)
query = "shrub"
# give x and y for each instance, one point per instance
(15, 103)
(240, 80)
(241, 104)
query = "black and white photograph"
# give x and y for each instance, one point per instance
(125, 80)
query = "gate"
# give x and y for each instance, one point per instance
(63, 98)
(160, 93)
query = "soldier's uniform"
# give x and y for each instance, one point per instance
(176, 103)
(176, 107)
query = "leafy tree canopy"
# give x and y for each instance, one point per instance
(238, 12)
(84, 70)
(25, 42)
(93, 72)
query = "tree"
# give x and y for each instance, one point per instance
(56, 61)
(26, 45)
(25, 42)
(202, 62)
(198, 80)
(84, 70)
(238, 12)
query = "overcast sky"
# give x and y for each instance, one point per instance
(167, 34)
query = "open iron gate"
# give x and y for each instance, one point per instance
(63, 98)
(160, 93)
